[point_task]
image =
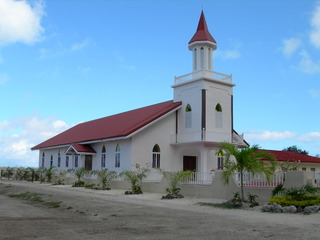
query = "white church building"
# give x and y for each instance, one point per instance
(181, 134)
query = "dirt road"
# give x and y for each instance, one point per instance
(89, 214)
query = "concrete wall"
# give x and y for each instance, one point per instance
(217, 189)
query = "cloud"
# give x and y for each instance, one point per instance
(122, 62)
(231, 54)
(269, 135)
(18, 136)
(46, 53)
(81, 45)
(310, 137)
(290, 46)
(315, 24)
(315, 94)
(20, 22)
(278, 140)
(306, 63)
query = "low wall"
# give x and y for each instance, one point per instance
(217, 189)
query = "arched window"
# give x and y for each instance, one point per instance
(195, 59)
(156, 156)
(67, 161)
(42, 160)
(218, 114)
(76, 161)
(220, 160)
(59, 159)
(209, 59)
(103, 157)
(188, 117)
(201, 57)
(51, 161)
(117, 156)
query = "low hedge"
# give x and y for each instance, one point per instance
(308, 200)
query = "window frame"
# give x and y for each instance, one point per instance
(103, 157)
(67, 161)
(156, 156)
(188, 116)
(42, 159)
(218, 116)
(117, 156)
(59, 159)
(76, 161)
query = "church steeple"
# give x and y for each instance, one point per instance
(202, 44)
(202, 34)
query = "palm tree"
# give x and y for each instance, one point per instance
(105, 176)
(136, 177)
(49, 172)
(173, 179)
(249, 159)
(78, 173)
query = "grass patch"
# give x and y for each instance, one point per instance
(35, 197)
(224, 205)
(52, 204)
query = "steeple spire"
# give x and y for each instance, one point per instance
(202, 34)
(202, 44)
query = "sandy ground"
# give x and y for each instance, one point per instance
(91, 214)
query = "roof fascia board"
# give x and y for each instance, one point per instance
(52, 147)
(71, 147)
(105, 140)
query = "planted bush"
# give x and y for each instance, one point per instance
(105, 176)
(308, 200)
(78, 173)
(48, 173)
(173, 180)
(295, 196)
(135, 178)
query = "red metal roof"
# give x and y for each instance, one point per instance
(202, 33)
(82, 148)
(293, 156)
(119, 125)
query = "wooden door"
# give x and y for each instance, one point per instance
(88, 162)
(189, 163)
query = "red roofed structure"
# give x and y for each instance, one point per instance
(117, 126)
(293, 157)
(181, 134)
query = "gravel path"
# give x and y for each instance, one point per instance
(90, 214)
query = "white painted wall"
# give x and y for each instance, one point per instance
(159, 133)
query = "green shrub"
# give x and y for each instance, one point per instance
(90, 185)
(78, 184)
(307, 200)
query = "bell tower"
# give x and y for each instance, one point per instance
(207, 96)
(202, 44)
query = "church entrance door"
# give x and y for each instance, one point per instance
(189, 163)
(88, 162)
